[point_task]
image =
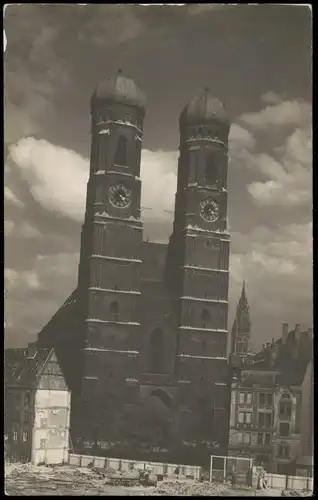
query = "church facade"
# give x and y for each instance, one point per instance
(142, 340)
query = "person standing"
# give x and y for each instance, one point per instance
(233, 476)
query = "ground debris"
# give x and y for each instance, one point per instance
(189, 488)
(25, 479)
(295, 493)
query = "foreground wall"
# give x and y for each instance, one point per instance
(50, 438)
(280, 481)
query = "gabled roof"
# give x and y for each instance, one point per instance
(21, 370)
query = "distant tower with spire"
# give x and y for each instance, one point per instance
(241, 329)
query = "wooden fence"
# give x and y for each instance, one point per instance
(120, 464)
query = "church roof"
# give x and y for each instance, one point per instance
(203, 108)
(120, 89)
(153, 256)
(67, 317)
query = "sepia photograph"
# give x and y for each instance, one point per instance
(158, 250)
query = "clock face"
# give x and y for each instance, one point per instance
(120, 195)
(209, 210)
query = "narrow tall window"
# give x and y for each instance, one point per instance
(156, 354)
(193, 165)
(205, 316)
(211, 168)
(114, 310)
(121, 152)
(285, 407)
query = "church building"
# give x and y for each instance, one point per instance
(142, 340)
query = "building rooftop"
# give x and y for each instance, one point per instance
(22, 366)
(288, 357)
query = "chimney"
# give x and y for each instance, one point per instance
(284, 332)
(297, 332)
(31, 351)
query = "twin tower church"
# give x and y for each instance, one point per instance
(142, 340)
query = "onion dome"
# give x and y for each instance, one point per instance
(119, 89)
(205, 108)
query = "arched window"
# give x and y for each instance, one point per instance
(156, 351)
(163, 396)
(139, 123)
(205, 315)
(211, 168)
(285, 407)
(194, 155)
(121, 152)
(99, 194)
(114, 311)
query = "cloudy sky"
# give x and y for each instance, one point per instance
(256, 59)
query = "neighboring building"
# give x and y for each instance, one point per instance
(37, 407)
(305, 461)
(266, 402)
(241, 329)
(148, 319)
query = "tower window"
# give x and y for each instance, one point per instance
(156, 351)
(128, 118)
(114, 311)
(102, 116)
(121, 152)
(205, 315)
(99, 194)
(211, 169)
(194, 164)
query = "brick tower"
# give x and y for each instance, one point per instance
(109, 269)
(198, 263)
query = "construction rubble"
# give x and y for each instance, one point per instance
(25, 479)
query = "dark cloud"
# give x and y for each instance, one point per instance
(256, 58)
